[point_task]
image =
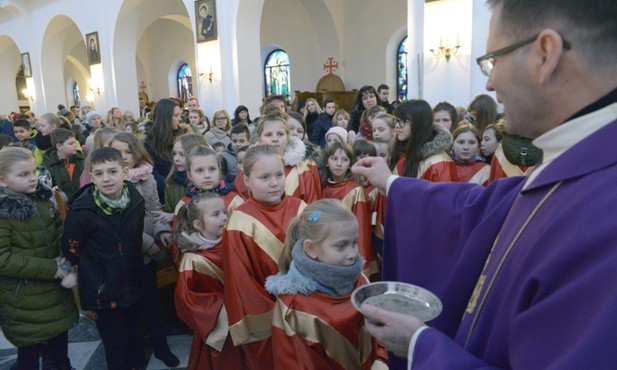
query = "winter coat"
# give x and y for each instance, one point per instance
(320, 127)
(216, 135)
(60, 174)
(107, 250)
(33, 305)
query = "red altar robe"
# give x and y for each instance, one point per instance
(476, 172)
(321, 331)
(501, 167)
(301, 181)
(199, 303)
(355, 197)
(252, 244)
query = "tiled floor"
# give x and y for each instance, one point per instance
(86, 350)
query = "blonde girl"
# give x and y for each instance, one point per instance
(36, 308)
(312, 110)
(199, 290)
(252, 244)
(383, 128)
(338, 183)
(156, 236)
(301, 175)
(199, 121)
(320, 266)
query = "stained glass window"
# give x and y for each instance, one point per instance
(277, 73)
(185, 82)
(76, 97)
(401, 70)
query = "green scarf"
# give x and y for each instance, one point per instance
(109, 206)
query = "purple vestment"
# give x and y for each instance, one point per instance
(549, 293)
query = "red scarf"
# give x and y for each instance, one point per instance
(366, 130)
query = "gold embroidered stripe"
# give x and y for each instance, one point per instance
(252, 328)
(218, 335)
(195, 262)
(354, 196)
(434, 159)
(292, 181)
(481, 176)
(263, 237)
(313, 329)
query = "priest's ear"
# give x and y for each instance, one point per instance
(310, 248)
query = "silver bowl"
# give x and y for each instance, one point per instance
(399, 297)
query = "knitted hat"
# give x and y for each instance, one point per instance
(339, 131)
(91, 115)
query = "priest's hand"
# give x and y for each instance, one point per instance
(393, 330)
(375, 170)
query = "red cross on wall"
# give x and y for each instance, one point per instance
(142, 86)
(330, 65)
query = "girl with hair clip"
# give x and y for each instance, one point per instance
(199, 290)
(301, 174)
(470, 166)
(155, 238)
(219, 132)
(36, 303)
(339, 183)
(420, 146)
(367, 97)
(252, 245)
(314, 325)
(203, 169)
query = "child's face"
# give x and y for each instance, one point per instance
(382, 150)
(21, 133)
(194, 119)
(332, 138)
(45, 127)
(311, 106)
(20, 177)
(274, 134)
(127, 154)
(179, 157)
(267, 180)
(219, 149)
(109, 178)
(342, 121)
(402, 130)
(338, 164)
(213, 216)
(296, 129)
(330, 108)
(239, 141)
(204, 172)
(489, 142)
(381, 131)
(339, 248)
(443, 118)
(67, 148)
(175, 118)
(465, 147)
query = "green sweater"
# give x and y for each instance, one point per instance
(33, 305)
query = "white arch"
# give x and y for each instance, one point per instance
(392, 59)
(10, 60)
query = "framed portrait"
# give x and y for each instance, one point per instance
(93, 46)
(205, 18)
(25, 63)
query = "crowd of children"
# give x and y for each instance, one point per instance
(268, 228)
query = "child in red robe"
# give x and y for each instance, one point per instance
(314, 325)
(199, 290)
(470, 166)
(252, 244)
(338, 183)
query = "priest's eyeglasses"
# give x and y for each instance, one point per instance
(487, 61)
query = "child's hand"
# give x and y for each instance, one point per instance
(165, 239)
(163, 217)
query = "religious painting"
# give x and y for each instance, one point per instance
(25, 63)
(94, 51)
(205, 19)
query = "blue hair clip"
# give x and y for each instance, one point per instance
(314, 216)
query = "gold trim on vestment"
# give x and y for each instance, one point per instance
(357, 194)
(252, 328)
(292, 180)
(481, 176)
(263, 237)
(311, 328)
(196, 262)
(425, 164)
(217, 337)
(505, 256)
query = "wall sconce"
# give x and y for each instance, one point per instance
(93, 86)
(446, 50)
(209, 76)
(27, 94)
